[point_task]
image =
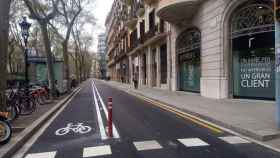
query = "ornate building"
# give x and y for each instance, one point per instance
(216, 48)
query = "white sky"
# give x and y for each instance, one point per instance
(100, 11)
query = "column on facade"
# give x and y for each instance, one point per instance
(149, 66)
(174, 64)
(130, 62)
(169, 62)
(140, 63)
(158, 67)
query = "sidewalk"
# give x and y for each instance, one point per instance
(251, 118)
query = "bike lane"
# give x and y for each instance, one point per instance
(66, 142)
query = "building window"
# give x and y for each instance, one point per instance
(188, 51)
(163, 63)
(152, 20)
(253, 52)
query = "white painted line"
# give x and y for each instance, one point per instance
(234, 140)
(97, 151)
(193, 142)
(42, 155)
(147, 145)
(99, 118)
(115, 132)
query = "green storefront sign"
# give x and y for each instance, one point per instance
(253, 66)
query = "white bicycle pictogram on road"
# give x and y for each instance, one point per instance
(78, 128)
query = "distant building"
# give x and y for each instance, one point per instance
(101, 55)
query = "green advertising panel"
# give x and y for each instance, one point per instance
(42, 73)
(253, 66)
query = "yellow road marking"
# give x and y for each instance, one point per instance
(182, 114)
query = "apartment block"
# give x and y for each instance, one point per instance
(215, 48)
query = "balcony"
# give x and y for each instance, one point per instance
(176, 11)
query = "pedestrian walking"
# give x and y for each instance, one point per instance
(135, 81)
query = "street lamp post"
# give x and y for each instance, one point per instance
(277, 59)
(24, 25)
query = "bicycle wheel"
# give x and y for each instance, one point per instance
(84, 129)
(62, 131)
(5, 131)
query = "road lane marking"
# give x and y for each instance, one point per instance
(97, 151)
(147, 145)
(193, 142)
(42, 155)
(99, 118)
(182, 114)
(234, 140)
(115, 132)
(74, 128)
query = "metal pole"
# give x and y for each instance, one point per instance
(26, 72)
(277, 61)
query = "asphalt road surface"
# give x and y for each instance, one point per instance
(141, 130)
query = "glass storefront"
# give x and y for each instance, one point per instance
(253, 53)
(188, 50)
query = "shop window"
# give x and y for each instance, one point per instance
(253, 53)
(188, 51)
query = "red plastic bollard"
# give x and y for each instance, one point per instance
(110, 115)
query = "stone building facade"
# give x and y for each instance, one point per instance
(216, 48)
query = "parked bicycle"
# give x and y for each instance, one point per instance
(5, 128)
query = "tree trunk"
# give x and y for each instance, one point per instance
(76, 66)
(50, 58)
(81, 71)
(4, 29)
(66, 64)
(10, 63)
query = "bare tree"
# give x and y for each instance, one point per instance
(69, 11)
(43, 12)
(4, 33)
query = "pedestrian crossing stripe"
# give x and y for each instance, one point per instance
(42, 155)
(147, 145)
(97, 151)
(193, 142)
(234, 140)
(142, 146)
